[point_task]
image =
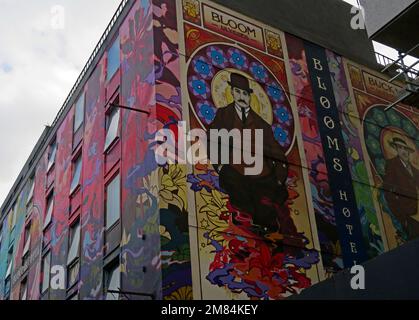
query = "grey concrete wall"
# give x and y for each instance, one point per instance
(379, 13)
(325, 22)
(393, 275)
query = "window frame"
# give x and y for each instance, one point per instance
(77, 158)
(42, 283)
(14, 215)
(110, 76)
(1, 235)
(107, 185)
(49, 212)
(31, 190)
(24, 283)
(75, 224)
(110, 269)
(71, 263)
(112, 111)
(52, 154)
(9, 263)
(82, 100)
(27, 240)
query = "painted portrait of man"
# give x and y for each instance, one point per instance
(401, 187)
(263, 196)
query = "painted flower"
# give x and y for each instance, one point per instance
(276, 93)
(173, 186)
(216, 212)
(273, 41)
(283, 115)
(183, 293)
(215, 204)
(374, 146)
(191, 7)
(217, 57)
(199, 87)
(206, 111)
(381, 166)
(409, 128)
(208, 181)
(259, 72)
(202, 67)
(281, 136)
(394, 118)
(237, 58)
(373, 129)
(379, 116)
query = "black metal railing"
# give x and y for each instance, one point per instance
(383, 60)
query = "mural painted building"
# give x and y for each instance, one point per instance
(338, 186)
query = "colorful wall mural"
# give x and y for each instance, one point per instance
(338, 185)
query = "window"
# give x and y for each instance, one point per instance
(113, 202)
(27, 237)
(8, 277)
(74, 297)
(51, 155)
(75, 182)
(73, 254)
(32, 187)
(50, 208)
(46, 269)
(112, 126)
(73, 273)
(14, 215)
(1, 235)
(113, 281)
(113, 59)
(24, 289)
(9, 263)
(7, 288)
(79, 113)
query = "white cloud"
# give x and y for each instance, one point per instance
(39, 64)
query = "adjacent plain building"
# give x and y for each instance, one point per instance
(387, 20)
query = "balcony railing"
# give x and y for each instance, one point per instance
(383, 60)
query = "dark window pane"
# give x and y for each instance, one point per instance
(23, 290)
(113, 283)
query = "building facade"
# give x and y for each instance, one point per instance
(386, 20)
(95, 216)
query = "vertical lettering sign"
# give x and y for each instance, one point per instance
(344, 202)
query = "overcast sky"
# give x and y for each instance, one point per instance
(41, 56)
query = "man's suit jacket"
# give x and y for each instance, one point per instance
(401, 189)
(274, 159)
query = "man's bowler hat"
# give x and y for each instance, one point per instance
(239, 81)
